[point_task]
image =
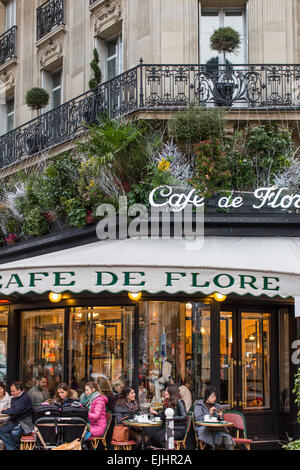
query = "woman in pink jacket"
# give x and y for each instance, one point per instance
(96, 402)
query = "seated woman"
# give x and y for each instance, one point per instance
(63, 395)
(172, 400)
(209, 406)
(117, 387)
(96, 402)
(125, 408)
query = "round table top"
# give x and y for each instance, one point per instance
(142, 425)
(214, 424)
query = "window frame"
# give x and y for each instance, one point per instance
(221, 16)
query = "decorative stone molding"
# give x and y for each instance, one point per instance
(51, 52)
(8, 79)
(108, 14)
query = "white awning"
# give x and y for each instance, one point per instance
(256, 266)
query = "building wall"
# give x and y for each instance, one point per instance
(159, 31)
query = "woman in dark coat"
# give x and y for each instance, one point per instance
(125, 408)
(172, 400)
(63, 395)
(209, 406)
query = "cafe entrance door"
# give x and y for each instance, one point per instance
(248, 375)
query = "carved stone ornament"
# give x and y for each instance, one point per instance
(51, 52)
(8, 79)
(109, 12)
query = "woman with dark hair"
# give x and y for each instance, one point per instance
(209, 406)
(63, 395)
(172, 400)
(5, 400)
(125, 408)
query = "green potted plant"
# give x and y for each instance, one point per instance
(93, 105)
(225, 40)
(36, 99)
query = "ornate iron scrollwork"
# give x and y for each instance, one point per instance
(50, 15)
(160, 87)
(8, 45)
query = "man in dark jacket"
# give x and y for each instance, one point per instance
(20, 413)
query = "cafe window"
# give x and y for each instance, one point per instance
(3, 345)
(100, 346)
(256, 364)
(284, 361)
(174, 346)
(42, 346)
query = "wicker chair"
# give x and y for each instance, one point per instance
(96, 440)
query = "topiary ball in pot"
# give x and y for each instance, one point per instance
(37, 98)
(225, 40)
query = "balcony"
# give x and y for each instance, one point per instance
(8, 45)
(154, 88)
(50, 15)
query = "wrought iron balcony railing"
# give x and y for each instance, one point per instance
(50, 15)
(154, 88)
(8, 45)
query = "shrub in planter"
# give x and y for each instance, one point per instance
(37, 98)
(226, 41)
(197, 124)
(35, 223)
(96, 80)
(211, 174)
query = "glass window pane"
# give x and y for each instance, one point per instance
(112, 69)
(3, 345)
(56, 98)
(174, 345)
(42, 347)
(209, 23)
(226, 341)
(56, 79)
(10, 122)
(284, 361)
(256, 360)
(236, 21)
(100, 347)
(112, 47)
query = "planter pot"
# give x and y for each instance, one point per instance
(224, 94)
(36, 143)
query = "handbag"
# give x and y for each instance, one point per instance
(120, 434)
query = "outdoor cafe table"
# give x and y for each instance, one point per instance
(143, 426)
(215, 425)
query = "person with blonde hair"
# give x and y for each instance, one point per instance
(96, 402)
(117, 387)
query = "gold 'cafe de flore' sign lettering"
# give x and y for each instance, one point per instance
(152, 280)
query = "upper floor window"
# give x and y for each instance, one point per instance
(10, 114)
(113, 57)
(10, 14)
(56, 88)
(210, 20)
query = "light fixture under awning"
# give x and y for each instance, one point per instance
(239, 265)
